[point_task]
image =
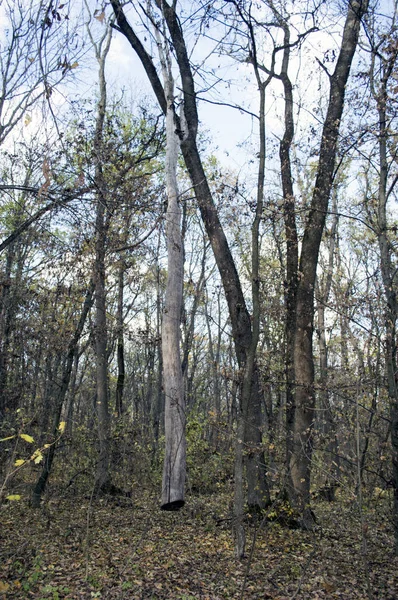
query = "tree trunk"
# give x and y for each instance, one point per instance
(326, 421)
(239, 314)
(388, 271)
(5, 327)
(289, 215)
(258, 492)
(214, 349)
(102, 223)
(59, 399)
(120, 343)
(102, 474)
(300, 462)
(158, 406)
(174, 469)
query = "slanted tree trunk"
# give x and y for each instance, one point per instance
(59, 399)
(239, 314)
(300, 460)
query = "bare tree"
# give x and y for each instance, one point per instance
(239, 314)
(35, 57)
(304, 414)
(384, 60)
(101, 49)
(173, 485)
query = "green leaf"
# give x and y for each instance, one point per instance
(19, 462)
(13, 497)
(27, 438)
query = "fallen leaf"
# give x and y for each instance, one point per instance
(4, 587)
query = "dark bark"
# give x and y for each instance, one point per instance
(5, 327)
(289, 214)
(239, 314)
(59, 399)
(121, 371)
(102, 478)
(158, 406)
(214, 356)
(388, 269)
(327, 425)
(300, 463)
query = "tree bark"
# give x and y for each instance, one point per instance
(300, 462)
(102, 478)
(387, 267)
(239, 314)
(5, 327)
(158, 406)
(121, 371)
(174, 468)
(326, 422)
(289, 215)
(59, 399)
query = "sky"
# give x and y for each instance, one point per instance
(233, 134)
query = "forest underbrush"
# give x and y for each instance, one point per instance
(125, 547)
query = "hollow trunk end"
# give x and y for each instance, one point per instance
(173, 506)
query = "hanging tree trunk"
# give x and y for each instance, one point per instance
(239, 314)
(174, 468)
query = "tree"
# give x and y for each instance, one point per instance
(301, 269)
(187, 131)
(35, 58)
(383, 68)
(102, 222)
(173, 485)
(60, 396)
(303, 360)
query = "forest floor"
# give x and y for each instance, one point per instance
(128, 549)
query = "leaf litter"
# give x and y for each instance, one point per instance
(117, 549)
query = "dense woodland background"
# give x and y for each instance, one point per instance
(272, 422)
